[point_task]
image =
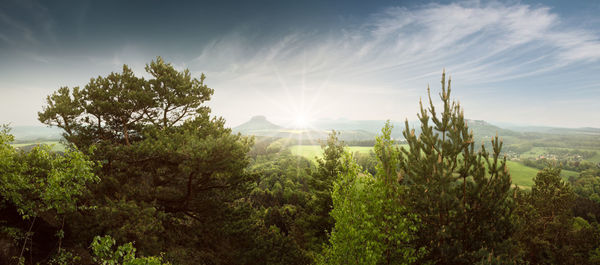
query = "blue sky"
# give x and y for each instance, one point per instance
(523, 62)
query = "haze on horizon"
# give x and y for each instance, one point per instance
(520, 62)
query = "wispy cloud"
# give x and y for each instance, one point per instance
(376, 66)
(463, 35)
(399, 50)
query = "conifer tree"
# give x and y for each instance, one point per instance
(460, 194)
(167, 166)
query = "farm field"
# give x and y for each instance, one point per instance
(313, 151)
(522, 175)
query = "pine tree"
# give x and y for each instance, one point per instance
(461, 195)
(169, 170)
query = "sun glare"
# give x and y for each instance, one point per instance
(301, 121)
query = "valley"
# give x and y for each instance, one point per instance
(527, 150)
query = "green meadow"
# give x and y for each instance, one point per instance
(523, 175)
(313, 151)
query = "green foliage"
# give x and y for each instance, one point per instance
(64, 258)
(595, 256)
(167, 165)
(330, 165)
(371, 224)
(64, 107)
(295, 197)
(548, 233)
(550, 195)
(521, 175)
(367, 161)
(42, 183)
(577, 166)
(354, 238)
(105, 254)
(587, 185)
(328, 169)
(41, 180)
(282, 198)
(176, 95)
(459, 195)
(116, 108)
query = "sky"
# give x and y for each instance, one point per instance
(519, 62)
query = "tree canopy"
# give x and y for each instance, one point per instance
(166, 165)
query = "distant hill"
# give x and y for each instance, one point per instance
(373, 127)
(484, 129)
(35, 133)
(260, 126)
(353, 130)
(554, 130)
(256, 123)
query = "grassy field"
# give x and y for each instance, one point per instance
(56, 145)
(313, 151)
(521, 175)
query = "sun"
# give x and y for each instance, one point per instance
(301, 121)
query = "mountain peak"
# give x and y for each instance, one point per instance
(258, 118)
(256, 123)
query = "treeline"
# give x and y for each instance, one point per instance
(150, 177)
(587, 185)
(578, 166)
(518, 148)
(575, 154)
(583, 141)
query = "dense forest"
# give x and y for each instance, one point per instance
(151, 177)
